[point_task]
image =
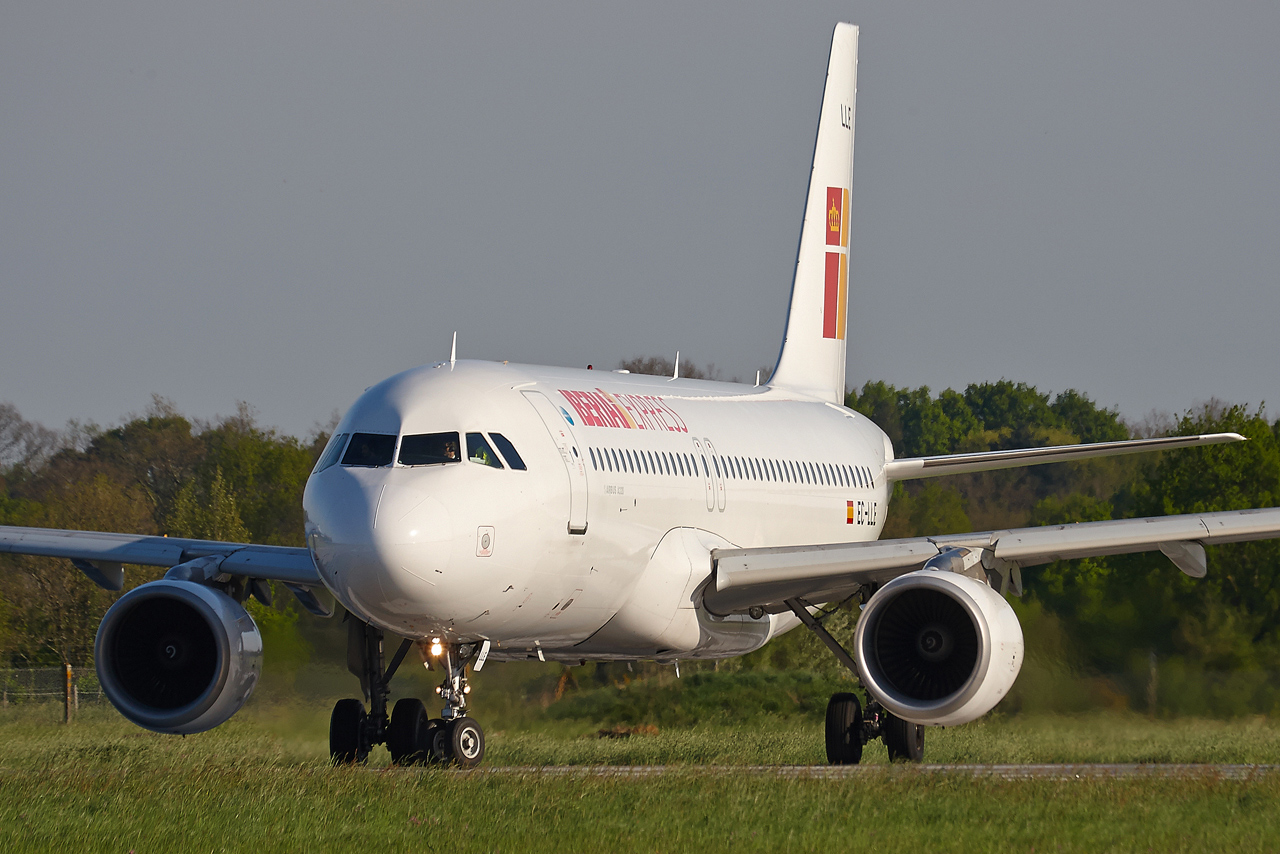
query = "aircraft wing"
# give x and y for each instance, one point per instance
(101, 557)
(912, 468)
(767, 577)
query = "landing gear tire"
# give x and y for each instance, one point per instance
(904, 739)
(435, 741)
(844, 730)
(405, 735)
(346, 733)
(466, 742)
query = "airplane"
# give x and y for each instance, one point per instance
(483, 511)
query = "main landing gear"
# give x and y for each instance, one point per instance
(848, 729)
(410, 735)
(849, 726)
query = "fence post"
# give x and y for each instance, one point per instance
(1153, 686)
(66, 707)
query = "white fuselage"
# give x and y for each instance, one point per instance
(599, 547)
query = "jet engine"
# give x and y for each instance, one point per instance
(936, 647)
(176, 656)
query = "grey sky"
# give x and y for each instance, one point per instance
(284, 203)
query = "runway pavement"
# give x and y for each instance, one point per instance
(839, 772)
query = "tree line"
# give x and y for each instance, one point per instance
(234, 479)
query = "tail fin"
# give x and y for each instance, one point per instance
(813, 351)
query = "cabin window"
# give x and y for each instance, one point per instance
(862, 482)
(592, 452)
(371, 450)
(332, 451)
(509, 454)
(478, 451)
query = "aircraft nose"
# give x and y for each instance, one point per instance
(381, 544)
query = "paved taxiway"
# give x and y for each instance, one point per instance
(828, 772)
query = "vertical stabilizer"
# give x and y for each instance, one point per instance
(813, 350)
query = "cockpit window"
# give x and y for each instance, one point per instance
(429, 449)
(478, 451)
(332, 451)
(508, 451)
(370, 449)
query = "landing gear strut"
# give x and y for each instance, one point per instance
(409, 734)
(456, 738)
(352, 730)
(849, 724)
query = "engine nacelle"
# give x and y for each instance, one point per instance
(175, 656)
(939, 648)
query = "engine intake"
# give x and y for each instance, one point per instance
(936, 647)
(175, 656)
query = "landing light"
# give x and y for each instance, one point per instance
(436, 647)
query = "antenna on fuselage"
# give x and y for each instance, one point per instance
(757, 379)
(453, 351)
(676, 374)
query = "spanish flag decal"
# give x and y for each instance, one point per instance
(835, 296)
(849, 511)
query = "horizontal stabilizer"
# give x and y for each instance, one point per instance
(913, 468)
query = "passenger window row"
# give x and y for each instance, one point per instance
(377, 450)
(680, 464)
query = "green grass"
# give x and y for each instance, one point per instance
(262, 783)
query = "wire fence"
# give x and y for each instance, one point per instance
(68, 687)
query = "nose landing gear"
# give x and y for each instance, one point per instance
(409, 734)
(456, 738)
